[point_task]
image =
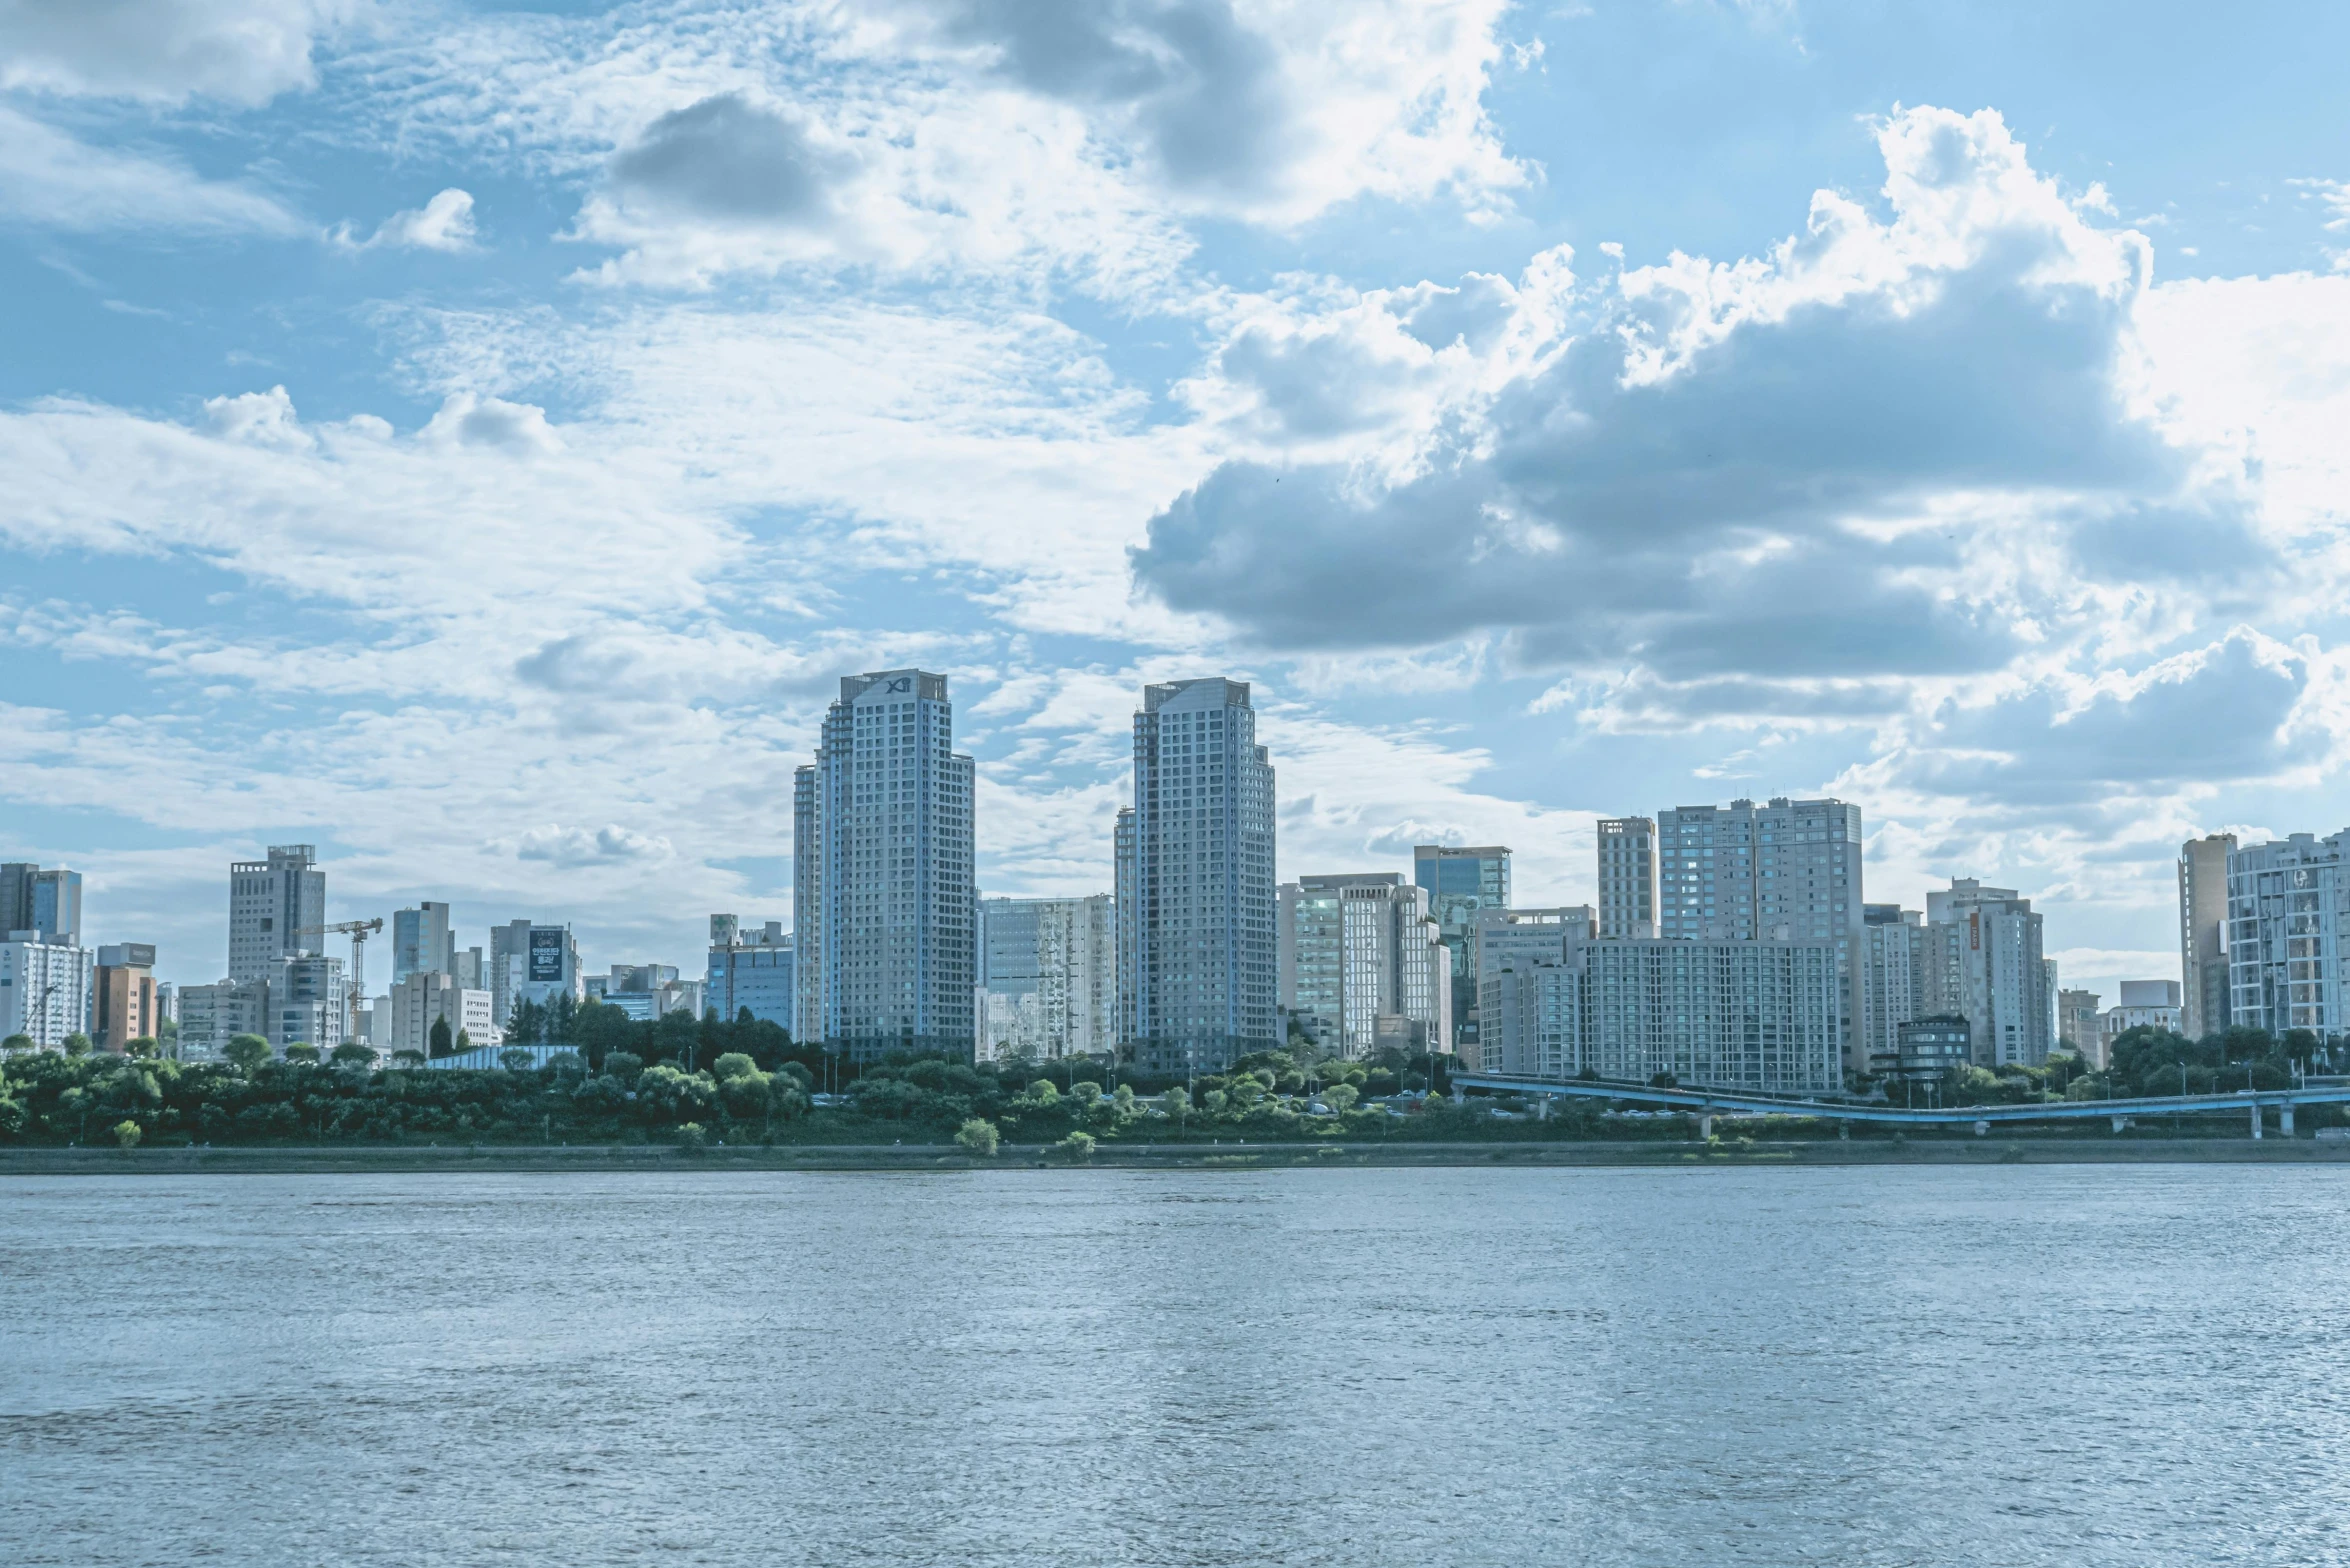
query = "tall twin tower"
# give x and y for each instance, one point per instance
(884, 911)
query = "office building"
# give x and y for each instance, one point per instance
(531, 962)
(45, 902)
(1788, 870)
(1460, 883)
(753, 969)
(882, 914)
(122, 1005)
(2203, 934)
(1519, 938)
(213, 1015)
(306, 1003)
(425, 997)
(1927, 1050)
(1362, 961)
(1627, 876)
(276, 910)
(2076, 1024)
(44, 988)
(1983, 962)
(1892, 951)
(422, 940)
(2286, 902)
(1195, 881)
(1048, 977)
(471, 968)
(645, 991)
(1719, 1013)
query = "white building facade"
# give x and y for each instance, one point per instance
(1048, 977)
(2288, 903)
(45, 989)
(1364, 962)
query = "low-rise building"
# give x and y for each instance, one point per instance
(2144, 1004)
(45, 988)
(1926, 1049)
(425, 998)
(213, 1015)
(753, 969)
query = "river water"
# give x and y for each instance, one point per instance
(2124, 1365)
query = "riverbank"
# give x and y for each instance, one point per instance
(1141, 1156)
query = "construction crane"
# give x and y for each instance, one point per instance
(358, 931)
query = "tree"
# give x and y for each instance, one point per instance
(464, 1040)
(77, 1044)
(246, 1051)
(303, 1052)
(623, 1065)
(1177, 1104)
(1340, 1097)
(126, 1135)
(437, 1041)
(408, 1058)
(734, 1064)
(352, 1054)
(517, 1060)
(978, 1135)
(144, 1045)
(1076, 1147)
(17, 1042)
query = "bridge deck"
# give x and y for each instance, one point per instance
(1714, 1100)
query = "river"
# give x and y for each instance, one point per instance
(2124, 1365)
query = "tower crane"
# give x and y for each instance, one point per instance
(358, 931)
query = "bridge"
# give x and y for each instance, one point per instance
(1705, 1103)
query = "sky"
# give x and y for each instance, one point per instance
(476, 439)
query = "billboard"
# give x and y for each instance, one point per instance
(546, 953)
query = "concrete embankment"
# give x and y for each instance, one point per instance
(1140, 1156)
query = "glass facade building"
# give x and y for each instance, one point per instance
(1461, 882)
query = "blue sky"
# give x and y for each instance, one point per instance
(475, 439)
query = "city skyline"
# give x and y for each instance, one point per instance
(484, 477)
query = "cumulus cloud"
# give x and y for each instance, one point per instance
(467, 420)
(240, 51)
(444, 223)
(1910, 446)
(607, 845)
(56, 181)
(732, 160)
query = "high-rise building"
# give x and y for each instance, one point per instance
(1048, 977)
(2203, 933)
(1460, 882)
(47, 902)
(422, 941)
(2286, 906)
(1363, 962)
(1983, 963)
(1195, 881)
(213, 1015)
(753, 969)
(306, 1003)
(276, 910)
(2076, 1025)
(882, 911)
(532, 963)
(1627, 876)
(44, 988)
(1555, 1002)
(1521, 938)
(1892, 951)
(1788, 870)
(424, 997)
(123, 996)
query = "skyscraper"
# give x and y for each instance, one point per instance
(1627, 876)
(276, 910)
(1362, 962)
(1048, 977)
(45, 901)
(1460, 882)
(1195, 880)
(2287, 902)
(1789, 870)
(1983, 963)
(882, 907)
(422, 942)
(2203, 933)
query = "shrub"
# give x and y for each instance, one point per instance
(978, 1135)
(127, 1134)
(691, 1136)
(517, 1060)
(734, 1064)
(1078, 1146)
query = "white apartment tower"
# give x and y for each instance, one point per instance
(2288, 902)
(1788, 870)
(1982, 962)
(1894, 951)
(1198, 948)
(2203, 933)
(1364, 963)
(883, 923)
(276, 910)
(1627, 876)
(1048, 977)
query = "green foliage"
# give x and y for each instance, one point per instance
(516, 1060)
(77, 1044)
(352, 1054)
(691, 1135)
(126, 1134)
(17, 1042)
(246, 1052)
(1341, 1097)
(1075, 1148)
(734, 1064)
(1043, 1090)
(302, 1052)
(437, 1040)
(623, 1065)
(144, 1045)
(978, 1135)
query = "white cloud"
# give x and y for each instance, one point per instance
(240, 51)
(52, 180)
(444, 223)
(578, 847)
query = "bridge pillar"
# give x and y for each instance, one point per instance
(1705, 1126)
(2255, 1118)
(1844, 1131)
(1982, 1129)
(1459, 1095)
(2119, 1122)
(1542, 1107)
(2285, 1119)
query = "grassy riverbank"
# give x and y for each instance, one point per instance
(1231, 1156)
